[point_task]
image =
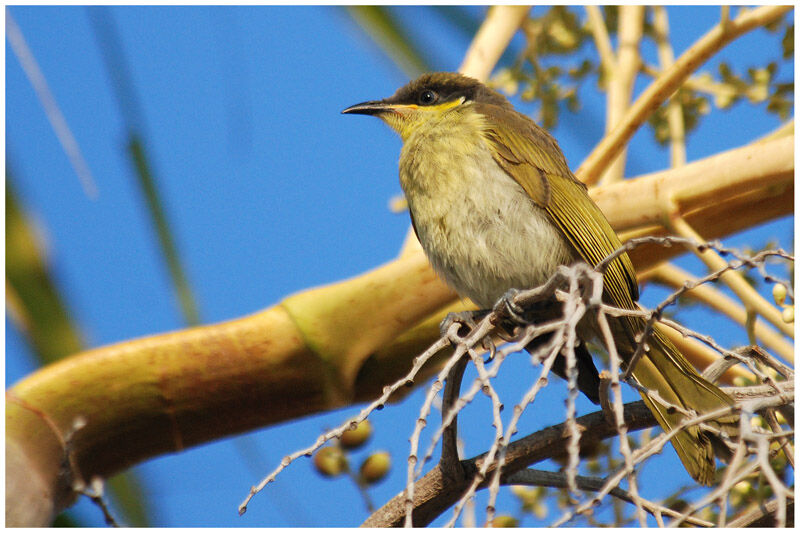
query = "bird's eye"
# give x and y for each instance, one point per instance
(427, 97)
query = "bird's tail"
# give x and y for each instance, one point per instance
(664, 370)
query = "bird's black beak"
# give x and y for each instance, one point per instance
(373, 107)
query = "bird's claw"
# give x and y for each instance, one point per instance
(506, 307)
(466, 319)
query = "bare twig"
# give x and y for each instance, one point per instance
(433, 496)
(477, 334)
(497, 423)
(735, 282)
(618, 409)
(675, 277)
(95, 488)
(419, 362)
(95, 491)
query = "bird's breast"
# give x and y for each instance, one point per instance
(480, 230)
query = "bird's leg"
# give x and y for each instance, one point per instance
(605, 398)
(467, 319)
(450, 464)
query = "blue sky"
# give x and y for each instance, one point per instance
(269, 191)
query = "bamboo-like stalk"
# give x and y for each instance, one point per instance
(767, 167)
(621, 78)
(677, 131)
(666, 84)
(492, 39)
(602, 41)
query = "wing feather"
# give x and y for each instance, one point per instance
(532, 157)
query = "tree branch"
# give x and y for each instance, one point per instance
(663, 87)
(763, 516)
(492, 39)
(433, 496)
(621, 79)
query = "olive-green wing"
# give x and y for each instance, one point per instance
(532, 157)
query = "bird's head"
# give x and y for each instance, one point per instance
(427, 99)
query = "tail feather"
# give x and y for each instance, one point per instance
(664, 370)
(693, 447)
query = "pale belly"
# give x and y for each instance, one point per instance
(480, 230)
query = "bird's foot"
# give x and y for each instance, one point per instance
(467, 321)
(507, 308)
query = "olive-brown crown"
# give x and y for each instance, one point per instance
(439, 87)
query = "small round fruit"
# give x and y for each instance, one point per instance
(355, 438)
(375, 467)
(330, 461)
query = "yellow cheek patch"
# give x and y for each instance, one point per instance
(441, 108)
(405, 118)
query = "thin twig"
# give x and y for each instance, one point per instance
(619, 415)
(95, 492)
(418, 363)
(735, 282)
(675, 277)
(497, 423)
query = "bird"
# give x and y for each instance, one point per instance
(496, 209)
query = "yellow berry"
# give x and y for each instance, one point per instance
(355, 438)
(330, 461)
(743, 487)
(779, 293)
(375, 467)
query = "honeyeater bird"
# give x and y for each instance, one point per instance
(496, 208)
